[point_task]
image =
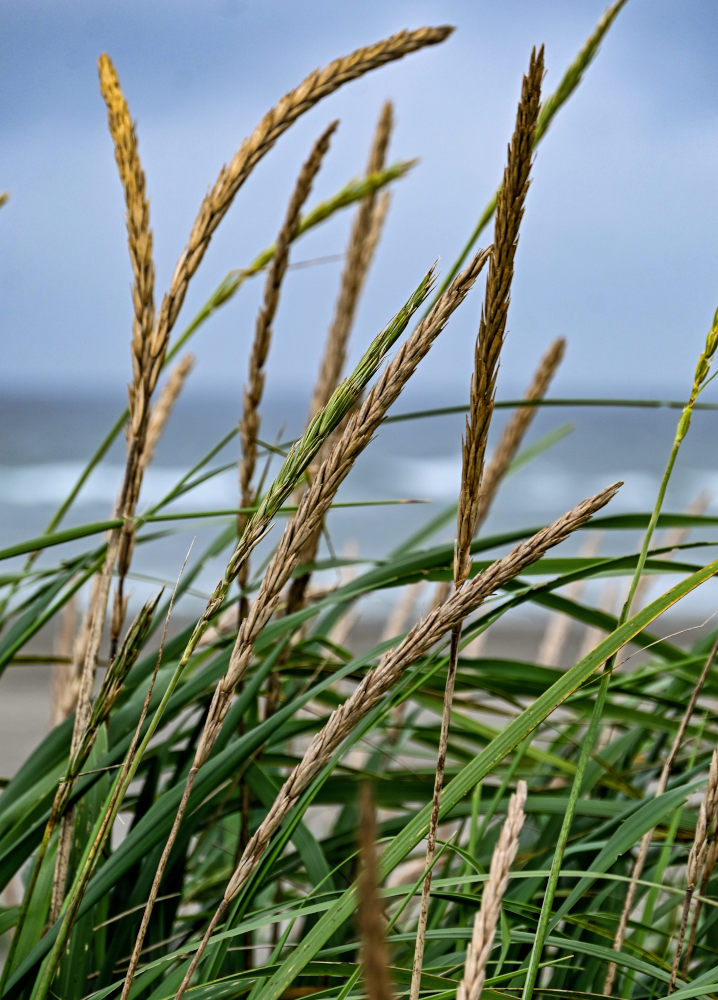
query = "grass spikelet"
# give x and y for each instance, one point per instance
(120, 541)
(254, 388)
(132, 178)
(707, 815)
(139, 234)
(487, 918)
(161, 411)
(370, 918)
(358, 258)
(313, 89)
(382, 679)
(342, 401)
(492, 327)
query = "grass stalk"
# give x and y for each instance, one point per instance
(492, 329)
(381, 680)
(119, 546)
(699, 380)
(254, 388)
(486, 920)
(339, 405)
(568, 83)
(370, 916)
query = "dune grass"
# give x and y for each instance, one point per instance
(300, 817)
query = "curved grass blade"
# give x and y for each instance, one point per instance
(480, 767)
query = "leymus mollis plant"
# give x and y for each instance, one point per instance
(151, 336)
(120, 541)
(340, 404)
(492, 329)
(216, 842)
(380, 680)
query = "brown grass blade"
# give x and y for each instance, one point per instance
(370, 916)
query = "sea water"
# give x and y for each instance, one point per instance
(47, 439)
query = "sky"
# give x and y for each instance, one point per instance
(618, 246)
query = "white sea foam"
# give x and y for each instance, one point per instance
(50, 483)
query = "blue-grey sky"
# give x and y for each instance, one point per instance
(618, 247)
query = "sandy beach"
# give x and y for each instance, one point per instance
(26, 691)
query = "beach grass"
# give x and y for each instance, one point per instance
(247, 802)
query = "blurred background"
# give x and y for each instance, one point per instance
(617, 251)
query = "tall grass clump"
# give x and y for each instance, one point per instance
(241, 800)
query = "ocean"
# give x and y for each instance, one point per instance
(47, 439)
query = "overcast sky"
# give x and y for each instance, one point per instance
(618, 247)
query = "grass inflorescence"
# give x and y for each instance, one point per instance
(245, 800)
